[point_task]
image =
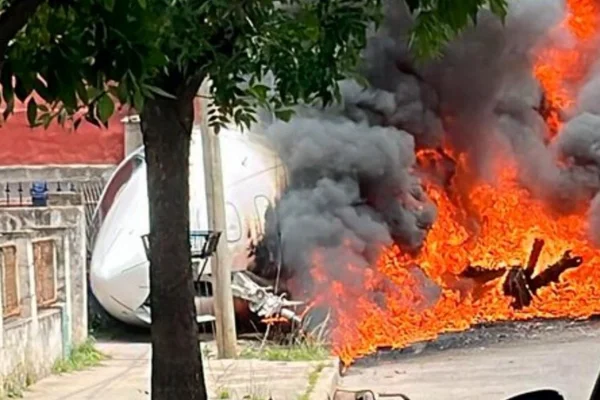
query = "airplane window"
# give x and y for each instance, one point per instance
(234, 223)
(261, 204)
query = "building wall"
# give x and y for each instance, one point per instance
(22, 145)
(33, 338)
(72, 173)
(28, 351)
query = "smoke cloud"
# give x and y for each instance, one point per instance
(352, 184)
(350, 190)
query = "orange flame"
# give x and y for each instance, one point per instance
(386, 306)
(560, 70)
(478, 224)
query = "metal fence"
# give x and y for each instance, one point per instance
(17, 194)
(91, 192)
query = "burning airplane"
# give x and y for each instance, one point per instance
(119, 270)
(450, 192)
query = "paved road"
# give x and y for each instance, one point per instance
(568, 363)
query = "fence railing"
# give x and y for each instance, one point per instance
(18, 194)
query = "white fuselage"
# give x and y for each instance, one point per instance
(119, 270)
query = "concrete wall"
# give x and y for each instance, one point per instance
(32, 341)
(133, 134)
(70, 173)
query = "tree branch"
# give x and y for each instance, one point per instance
(14, 19)
(190, 89)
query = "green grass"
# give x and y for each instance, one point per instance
(223, 394)
(81, 357)
(297, 352)
(313, 377)
(12, 392)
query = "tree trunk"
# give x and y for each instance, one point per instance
(177, 372)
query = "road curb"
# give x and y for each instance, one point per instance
(327, 382)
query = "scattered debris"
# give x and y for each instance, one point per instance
(520, 283)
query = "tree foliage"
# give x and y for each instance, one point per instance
(81, 57)
(438, 21)
(85, 58)
(75, 54)
(93, 52)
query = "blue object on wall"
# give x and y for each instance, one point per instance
(39, 194)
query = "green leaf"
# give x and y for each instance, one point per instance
(82, 92)
(120, 92)
(7, 93)
(90, 118)
(77, 122)
(41, 89)
(109, 4)
(284, 114)
(499, 7)
(106, 107)
(69, 100)
(20, 90)
(10, 106)
(93, 92)
(138, 101)
(32, 112)
(46, 120)
(259, 91)
(159, 91)
(142, 4)
(62, 117)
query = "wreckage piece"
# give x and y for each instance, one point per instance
(262, 301)
(519, 283)
(474, 280)
(482, 275)
(534, 256)
(516, 285)
(552, 273)
(522, 286)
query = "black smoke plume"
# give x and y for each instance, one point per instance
(352, 182)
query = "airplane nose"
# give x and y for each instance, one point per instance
(121, 273)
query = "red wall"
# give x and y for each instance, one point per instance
(22, 145)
